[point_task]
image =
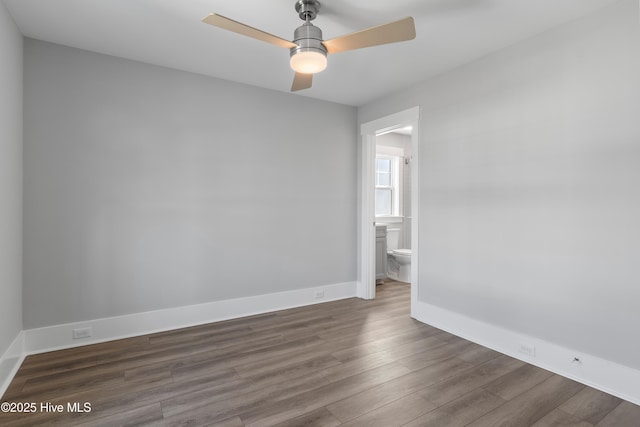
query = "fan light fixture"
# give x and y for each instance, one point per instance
(308, 62)
(309, 56)
(309, 50)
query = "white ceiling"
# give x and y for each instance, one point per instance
(170, 33)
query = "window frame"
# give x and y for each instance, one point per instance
(395, 177)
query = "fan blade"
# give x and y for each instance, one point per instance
(397, 31)
(301, 82)
(240, 28)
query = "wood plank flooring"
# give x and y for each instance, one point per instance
(342, 363)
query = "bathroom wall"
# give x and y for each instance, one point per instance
(530, 186)
(10, 186)
(149, 188)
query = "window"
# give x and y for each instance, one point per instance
(387, 186)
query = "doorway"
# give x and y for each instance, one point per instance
(369, 131)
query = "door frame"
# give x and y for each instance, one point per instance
(366, 288)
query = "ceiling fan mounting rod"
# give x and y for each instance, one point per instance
(307, 9)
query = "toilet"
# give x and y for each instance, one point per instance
(399, 265)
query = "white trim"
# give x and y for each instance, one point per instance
(415, 208)
(58, 337)
(10, 362)
(390, 123)
(609, 377)
(366, 256)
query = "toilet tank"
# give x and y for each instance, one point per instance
(393, 238)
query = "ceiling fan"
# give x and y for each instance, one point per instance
(308, 50)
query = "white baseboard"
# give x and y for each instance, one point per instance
(10, 362)
(58, 337)
(610, 377)
(618, 380)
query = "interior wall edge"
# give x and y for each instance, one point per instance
(604, 375)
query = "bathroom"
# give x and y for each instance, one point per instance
(393, 206)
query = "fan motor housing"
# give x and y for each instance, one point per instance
(308, 37)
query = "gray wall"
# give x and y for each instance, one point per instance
(530, 185)
(10, 180)
(149, 188)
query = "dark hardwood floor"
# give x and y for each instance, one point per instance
(349, 362)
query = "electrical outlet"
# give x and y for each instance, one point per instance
(528, 349)
(318, 294)
(82, 333)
